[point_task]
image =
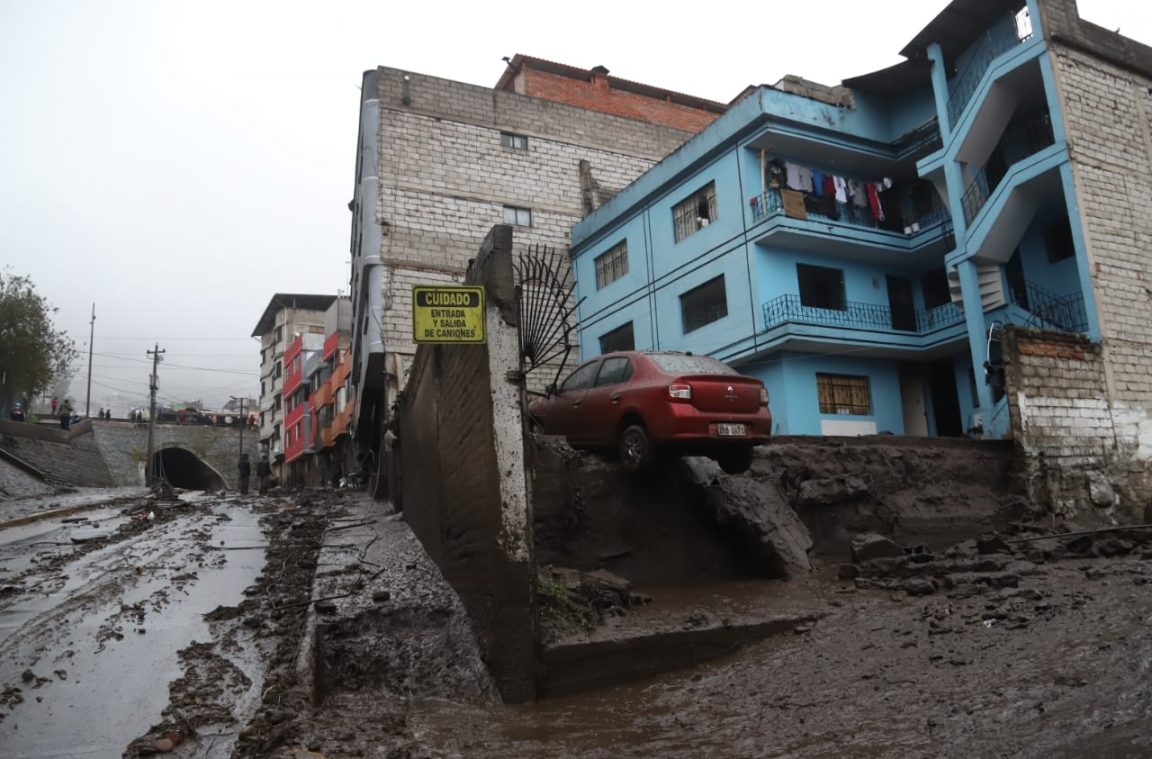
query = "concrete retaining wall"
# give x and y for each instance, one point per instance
(465, 493)
(124, 447)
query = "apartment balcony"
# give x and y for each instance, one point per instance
(852, 231)
(855, 315)
(323, 395)
(1017, 145)
(1046, 310)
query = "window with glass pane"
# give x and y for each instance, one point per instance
(612, 265)
(695, 212)
(704, 304)
(619, 339)
(613, 371)
(843, 394)
(516, 141)
(520, 217)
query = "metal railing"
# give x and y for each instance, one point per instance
(996, 40)
(770, 204)
(1014, 146)
(1047, 310)
(789, 308)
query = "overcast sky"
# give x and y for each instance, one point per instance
(178, 162)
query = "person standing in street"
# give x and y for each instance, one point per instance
(263, 473)
(54, 404)
(66, 415)
(245, 469)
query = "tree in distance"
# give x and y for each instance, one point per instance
(32, 350)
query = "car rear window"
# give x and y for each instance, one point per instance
(676, 363)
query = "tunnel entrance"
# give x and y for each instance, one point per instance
(184, 469)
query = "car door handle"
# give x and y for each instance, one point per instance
(576, 404)
(615, 397)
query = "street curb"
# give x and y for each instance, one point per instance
(54, 513)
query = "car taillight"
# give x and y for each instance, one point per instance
(763, 396)
(680, 392)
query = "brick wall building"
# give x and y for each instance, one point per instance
(440, 162)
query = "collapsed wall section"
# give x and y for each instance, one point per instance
(464, 490)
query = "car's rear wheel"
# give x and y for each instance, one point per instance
(635, 448)
(736, 461)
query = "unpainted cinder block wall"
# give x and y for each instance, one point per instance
(464, 490)
(1080, 452)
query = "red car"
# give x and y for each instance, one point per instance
(641, 403)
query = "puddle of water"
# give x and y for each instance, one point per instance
(115, 679)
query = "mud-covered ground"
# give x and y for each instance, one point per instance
(315, 626)
(1037, 651)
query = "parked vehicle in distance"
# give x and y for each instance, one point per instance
(641, 403)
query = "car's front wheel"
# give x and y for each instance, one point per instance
(736, 461)
(635, 448)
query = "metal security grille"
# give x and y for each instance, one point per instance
(612, 265)
(544, 292)
(842, 394)
(695, 212)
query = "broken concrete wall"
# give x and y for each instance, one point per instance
(1083, 456)
(465, 492)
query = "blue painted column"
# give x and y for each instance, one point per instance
(977, 332)
(940, 91)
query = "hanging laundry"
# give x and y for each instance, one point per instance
(874, 201)
(817, 182)
(793, 203)
(799, 177)
(776, 175)
(829, 185)
(858, 192)
(840, 189)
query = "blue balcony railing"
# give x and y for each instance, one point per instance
(1014, 146)
(996, 40)
(770, 204)
(873, 316)
(1047, 310)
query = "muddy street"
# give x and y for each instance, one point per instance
(122, 627)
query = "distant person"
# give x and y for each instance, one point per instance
(245, 469)
(66, 415)
(100, 413)
(55, 403)
(263, 473)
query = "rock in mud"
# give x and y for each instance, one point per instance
(759, 514)
(871, 545)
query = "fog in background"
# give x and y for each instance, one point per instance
(179, 162)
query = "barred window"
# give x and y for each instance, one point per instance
(612, 265)
(516, 141)
(842, 394)
(619, 339)
(695, 212)
(704, 304)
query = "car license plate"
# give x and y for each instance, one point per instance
(730, 430)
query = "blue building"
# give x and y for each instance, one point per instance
(859, 248)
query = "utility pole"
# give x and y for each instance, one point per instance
(243, 421)
(91, 337)
(153, 385)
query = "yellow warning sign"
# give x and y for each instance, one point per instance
(447, 314)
